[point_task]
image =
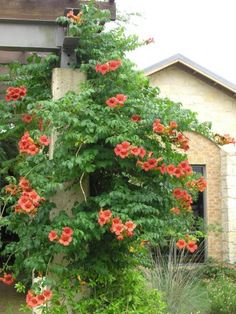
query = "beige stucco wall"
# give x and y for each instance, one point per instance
(210, 103)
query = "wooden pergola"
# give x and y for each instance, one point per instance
(28, 26)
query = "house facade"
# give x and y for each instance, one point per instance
(214, 99)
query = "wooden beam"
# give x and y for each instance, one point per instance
(3, 79)
(7, 57)
(45, 9)
(30, 35)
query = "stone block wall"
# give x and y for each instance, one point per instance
(204, 152)
(228, 179)
(210, 103)
(213, 105)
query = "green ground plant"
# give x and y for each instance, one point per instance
(222, 295)
(128, 294)
(219, 280)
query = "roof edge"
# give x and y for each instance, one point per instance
(179, 58)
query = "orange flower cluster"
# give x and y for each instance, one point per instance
(160, 128)
(11, 189)
(75, 18)
(117, 227)
(136, 118)
(125, 149)
(28, 146)
(109, 66)
(44, 140)
(15, 93)
(176, 137)
(149, 164)
(29, 199)
(104, 217)
(7, 279)
(117, 101)
(184, 198)
(183, 169)
(200, 184)
(224, 139)
(34, 300)
(65, 238)
(175, 210)
(190, 245)
(181, 141)
(27, 118)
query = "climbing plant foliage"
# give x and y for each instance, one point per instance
(116, 136)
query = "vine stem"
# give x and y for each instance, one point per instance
(33, 271)
(53, 139)
(81, 186)
(33, 168)
(48, 266)
(8, 259)
(78, 150)
(4, 207)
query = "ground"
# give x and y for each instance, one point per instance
(10, 300)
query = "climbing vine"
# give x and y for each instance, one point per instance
(118, 137)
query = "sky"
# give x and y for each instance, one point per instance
(203, 31)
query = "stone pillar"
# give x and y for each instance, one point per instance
(228, 179)
(63, 81)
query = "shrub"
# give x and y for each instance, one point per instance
(126, 294)
(214, 269)
(222, 295)
(220, 282)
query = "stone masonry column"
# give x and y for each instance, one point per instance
(63, 81)
(228, 179)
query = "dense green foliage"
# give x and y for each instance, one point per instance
(88, 131)
(126, 295)
(221, 292)
(219, 281)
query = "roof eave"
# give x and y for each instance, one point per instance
(194, 67)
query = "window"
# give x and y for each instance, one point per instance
(199, 211)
